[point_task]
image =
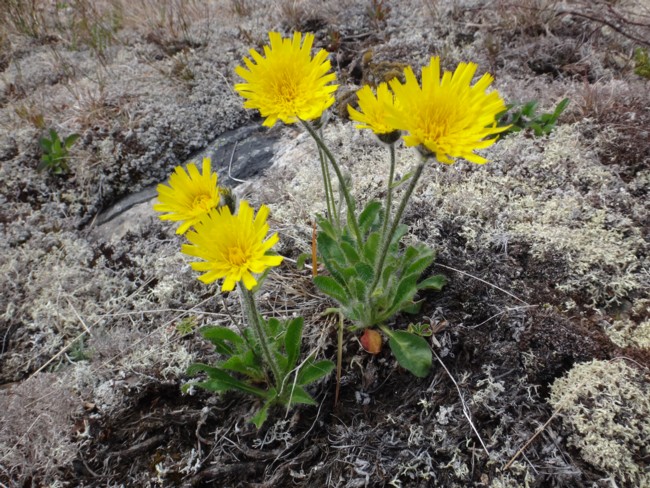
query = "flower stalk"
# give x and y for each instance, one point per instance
(389, 191)
(332, 211)
(388, 237)
(352, 219)
(254, 320)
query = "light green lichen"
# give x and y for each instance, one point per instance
(625, 332)
(606, 406)
(555, 199)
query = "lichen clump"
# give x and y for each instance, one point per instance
(606, 405)
(632, 330)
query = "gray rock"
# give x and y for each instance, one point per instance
(237, 155)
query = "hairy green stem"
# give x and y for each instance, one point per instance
(328, 194)
(334, 210)
(339, 360)
(346, 193)
(389, 193)
(255, 321)
(398, 216)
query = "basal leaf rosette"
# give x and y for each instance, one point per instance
(189, 196)
(447, 117)
(287, 83)
(232, 247)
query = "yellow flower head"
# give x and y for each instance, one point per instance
(189, 196)
(232, 246)
(287, 83)
(448, 116)
(373, 109)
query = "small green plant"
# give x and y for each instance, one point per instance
(262, 359)
(186, 326)
(368, 295)
(642, 62)
(79, 351)
(244, 358)
(372, 276)
(377, 12)
(56, 152)
(423, 330)
(526, 117)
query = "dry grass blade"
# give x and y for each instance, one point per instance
(529, 441)
(483, 281)
(561, 404)
(70, 344)
(466, 411)
(131, 346)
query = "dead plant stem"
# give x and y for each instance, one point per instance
(465, 409)
(483, 281)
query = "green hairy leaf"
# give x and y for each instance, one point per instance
(369, 216)
(332, 288)
(371, 247)
(433, 283)
(364, 272)
(312, 371)
(220, 380)
(302, 259)
(262, 414)
(350, 252)
(412, 352)
(219, 336)
(292, 340)
(297, 395)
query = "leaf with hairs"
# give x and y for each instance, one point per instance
(365, 272)
(70, 140)
(328, 229)
(358, 288)
(262, 414)
(219, 336)
(371, 247)
(421, 263)
(299, 396)
(332, 288)
(412, 352)
(405, 292)
(292, 340)
(220, 380)
(350, 252)
(369, 216)
(435, 282)
(314, 370)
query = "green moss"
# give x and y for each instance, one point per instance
(642, 62)
(606, 406)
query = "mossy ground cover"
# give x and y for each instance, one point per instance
(541, 332)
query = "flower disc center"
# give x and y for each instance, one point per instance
(237, 256)
(203, 203)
